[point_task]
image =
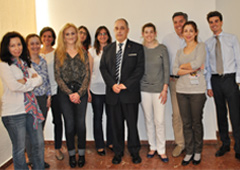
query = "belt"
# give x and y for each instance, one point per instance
(224, 75)
(173, 76)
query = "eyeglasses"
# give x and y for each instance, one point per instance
(84, 33)
(104, 33)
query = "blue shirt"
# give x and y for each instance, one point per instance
(41, 69)
(230, 54)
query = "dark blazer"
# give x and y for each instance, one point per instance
(131, 72)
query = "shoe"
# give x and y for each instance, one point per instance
(72, 161)
(136, 159)
(116, 159)
(164, 159)
(59, 155)
(101, 153)
(196, 162)
(151, 155)
(184, 163)
(237, 155)
(223, 149)
(81, 161)
(177, 151)
(46, 165)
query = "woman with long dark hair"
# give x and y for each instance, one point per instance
(98, 91)
(20, 111)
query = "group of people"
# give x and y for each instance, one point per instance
(118, 76)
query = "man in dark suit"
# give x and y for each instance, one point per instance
(122, 67)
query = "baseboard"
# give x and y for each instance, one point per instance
(8, 163)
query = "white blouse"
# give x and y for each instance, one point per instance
(13, 91)
(97, 85)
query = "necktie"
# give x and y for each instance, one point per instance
(118, 61)
(219, 61)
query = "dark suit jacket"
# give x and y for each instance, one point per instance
(131, 72)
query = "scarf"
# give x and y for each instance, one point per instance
(30, 101)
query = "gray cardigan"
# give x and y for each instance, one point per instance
(196, 58)
(156, 69)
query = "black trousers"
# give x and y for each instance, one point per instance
(57, 121)
(226, 92)
(74, 120)
(98, 103)
(128, 112)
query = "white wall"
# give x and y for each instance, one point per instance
(94, 13)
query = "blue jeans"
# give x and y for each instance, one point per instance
(74, 120)
(18, 126)
(98, 102)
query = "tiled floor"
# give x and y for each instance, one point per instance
(94, 161)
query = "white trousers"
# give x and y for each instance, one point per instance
(154, 113)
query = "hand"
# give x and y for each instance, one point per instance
(75, 98)
(22, 81)
(49, 102)
(122, 86)
(163, 96)
(89, 96)
(34, 75)
(210, 92)
(116, 88)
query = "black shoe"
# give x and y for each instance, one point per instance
(196, 162)
(184, 163)
(81, 161)
(72, 161)
(101, 153)
(136, 159)
(237, 155)
(223, 149)
(46, 165)
(164, 159)
(116, 159)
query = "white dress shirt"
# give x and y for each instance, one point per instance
(230, 54)
(173, 43)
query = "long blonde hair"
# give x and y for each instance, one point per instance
(61, 46)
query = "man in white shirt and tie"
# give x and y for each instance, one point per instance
(223, 77)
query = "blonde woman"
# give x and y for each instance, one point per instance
(72, 77)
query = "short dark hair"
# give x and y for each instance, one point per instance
(30, 36)
(185, 16)
(194, 25)
(87, 42)
(214, 14)
(123, 19)
(45, 29)
(6, 56)
(149, 25)
(96, 42)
